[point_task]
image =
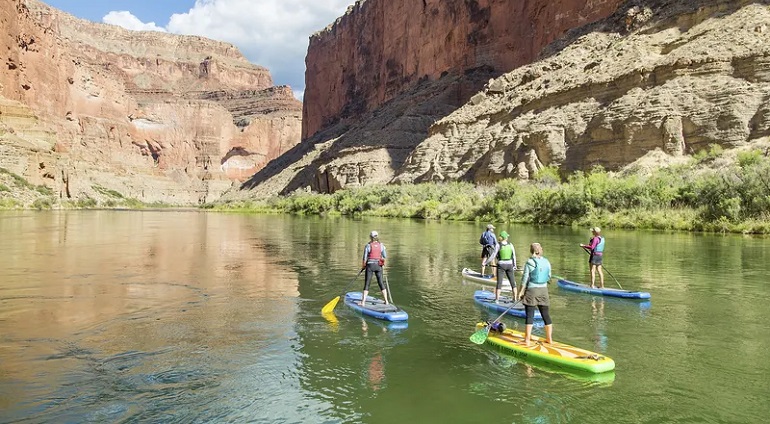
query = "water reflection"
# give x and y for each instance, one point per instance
(194, 317)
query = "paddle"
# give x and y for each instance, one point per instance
(387, 286)
(332, 303)
(605, 268)
(480, 336)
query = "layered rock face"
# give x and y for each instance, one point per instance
(653, 81)
(382, 74)
(87, 107)
(381, 48)
(660, 76)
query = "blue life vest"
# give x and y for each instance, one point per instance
(539, 271)
(599, 247)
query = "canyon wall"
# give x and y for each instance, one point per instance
(660, 80)
(652, 82)
(383, 73)
(381, 48)
(88, 109)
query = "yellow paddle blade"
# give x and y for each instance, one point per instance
(334, 323)
(330, 306)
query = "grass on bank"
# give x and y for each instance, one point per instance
(690, 197)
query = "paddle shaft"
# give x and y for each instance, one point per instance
(387, 286)
(605, 268)
(516, 302)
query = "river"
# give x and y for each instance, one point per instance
(187, 316)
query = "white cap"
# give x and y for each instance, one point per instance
(490, 227)
(373, 234)
(596, 230)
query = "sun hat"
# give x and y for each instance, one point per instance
(373, 234)
(503, 234)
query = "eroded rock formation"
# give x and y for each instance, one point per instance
(662, 76)
(86, 108)
(388, 69)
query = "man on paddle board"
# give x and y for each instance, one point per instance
(489, 247)
(506, 263)
(534, 291)
(373, 261)
(595, 247)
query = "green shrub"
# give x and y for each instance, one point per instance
(4, 187)
(43, 203)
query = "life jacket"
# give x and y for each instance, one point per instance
(539, 273)
(599, 247)
(375, 251)
(506, 251)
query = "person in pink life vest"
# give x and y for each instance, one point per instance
(373, 261)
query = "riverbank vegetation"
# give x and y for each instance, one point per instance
(708, 193)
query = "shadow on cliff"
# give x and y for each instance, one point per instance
(396, 127)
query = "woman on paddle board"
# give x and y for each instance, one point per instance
(506, 263)
(373, 261)
(534, 291)
(595, 247)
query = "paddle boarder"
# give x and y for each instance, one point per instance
(534, 291)
(595, 247)
(373, 261)
(489, 246)
(506, 264)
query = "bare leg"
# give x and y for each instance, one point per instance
(363, 298)
(593, 276)
(549, 333)
(601, 276)
(527, 334)
(483, 261)
(385, 296)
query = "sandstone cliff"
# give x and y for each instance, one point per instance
(384, 72)
(652, 76)
(659, 76)
(89, 108)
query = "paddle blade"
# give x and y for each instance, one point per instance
(329, 307)
(480, 336)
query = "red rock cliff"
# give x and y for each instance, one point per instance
(380, 48)
(86, 107)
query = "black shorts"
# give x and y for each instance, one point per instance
(487, 251)
(595, 259)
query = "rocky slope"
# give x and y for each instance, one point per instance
(89, 108)
(655, 79)
(659, 76)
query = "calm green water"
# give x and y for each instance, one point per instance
(202, 317)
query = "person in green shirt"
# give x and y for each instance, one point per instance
(506, 264)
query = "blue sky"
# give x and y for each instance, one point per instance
(271, 33)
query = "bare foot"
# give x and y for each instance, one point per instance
(361, 303)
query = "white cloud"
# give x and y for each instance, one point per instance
(127, 20)
(271, 33)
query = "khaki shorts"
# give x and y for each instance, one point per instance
(535, 296)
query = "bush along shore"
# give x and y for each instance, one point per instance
(709, 193)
